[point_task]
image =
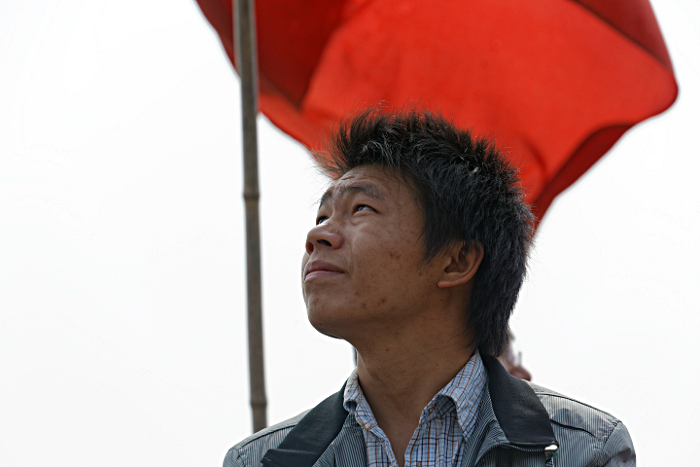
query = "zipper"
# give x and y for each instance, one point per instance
(550, 452)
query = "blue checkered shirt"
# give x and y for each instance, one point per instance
(444, 425)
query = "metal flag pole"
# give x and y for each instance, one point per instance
(246, 62)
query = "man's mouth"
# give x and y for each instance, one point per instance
(318, 268)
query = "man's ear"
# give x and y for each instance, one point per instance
(461, 264)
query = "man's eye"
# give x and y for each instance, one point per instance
(321, 219)
(363, 207)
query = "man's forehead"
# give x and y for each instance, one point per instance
(373, 185)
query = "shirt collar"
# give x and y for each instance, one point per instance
(354, 402)
(463, 394)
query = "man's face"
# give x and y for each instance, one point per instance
(363, 268)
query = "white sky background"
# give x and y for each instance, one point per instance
(122, 306)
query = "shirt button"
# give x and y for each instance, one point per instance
(430, 410)
(419, 461)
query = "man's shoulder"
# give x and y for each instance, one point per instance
(567, 412)
(581, 427)
(248, 452)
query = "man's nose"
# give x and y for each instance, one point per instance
(322, 236)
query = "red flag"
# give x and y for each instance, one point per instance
(555, 82)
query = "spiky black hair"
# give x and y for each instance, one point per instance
(468, 193)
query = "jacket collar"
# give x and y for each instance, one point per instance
(311, 436)
(520, 414)
(517, 410)
(510, 414)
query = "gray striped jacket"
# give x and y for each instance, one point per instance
(518, 424)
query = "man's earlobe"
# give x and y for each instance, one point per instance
(462, 265)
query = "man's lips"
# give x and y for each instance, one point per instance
(319, 268)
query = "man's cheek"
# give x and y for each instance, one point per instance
(304, 260)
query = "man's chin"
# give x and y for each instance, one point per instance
(326, 328)
(329, 324)
(329, 334)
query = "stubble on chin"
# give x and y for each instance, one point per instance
(332, 320)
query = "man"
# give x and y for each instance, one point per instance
(416, 259)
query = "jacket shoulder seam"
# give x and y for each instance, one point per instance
(263, 434)
(571, 427)
(560, 396)
(284, 425)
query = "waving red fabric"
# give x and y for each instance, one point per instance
(555, 82)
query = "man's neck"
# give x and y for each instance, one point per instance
(400, 376)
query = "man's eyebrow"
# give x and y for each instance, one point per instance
(364, 188)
